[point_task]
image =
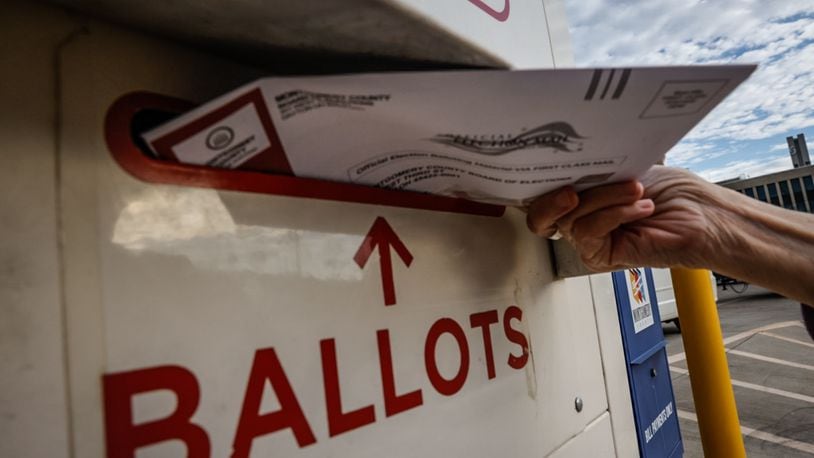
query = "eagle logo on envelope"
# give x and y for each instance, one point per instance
(560, 136)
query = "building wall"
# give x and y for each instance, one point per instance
(792, 189)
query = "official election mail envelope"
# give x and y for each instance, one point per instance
(495, 136)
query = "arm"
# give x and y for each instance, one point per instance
(674, 218)
(768, 246)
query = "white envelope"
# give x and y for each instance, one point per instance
(494, 136)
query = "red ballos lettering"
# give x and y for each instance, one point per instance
(393, 403)
(339, 422)
(515, 336)
(123, 437)
(267, 366)
(442, 385)
(483, 320)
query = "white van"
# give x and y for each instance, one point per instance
(666, 295)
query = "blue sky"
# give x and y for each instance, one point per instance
(746, 134)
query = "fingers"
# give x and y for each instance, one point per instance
(559, 209)
(596, 199)
(544, 212)
(593, 235)
(601, 223)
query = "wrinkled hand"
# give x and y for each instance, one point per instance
(668, 219)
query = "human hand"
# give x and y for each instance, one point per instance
(670, 218)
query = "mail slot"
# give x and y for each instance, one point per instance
(134, 113)
(648, 371)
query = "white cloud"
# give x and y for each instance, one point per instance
(748, 168)
(779, 35)
(688, 153)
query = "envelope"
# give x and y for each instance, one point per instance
(496, 136)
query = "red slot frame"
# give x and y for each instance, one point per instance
(120, 143)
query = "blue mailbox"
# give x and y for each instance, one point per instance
(648, 372)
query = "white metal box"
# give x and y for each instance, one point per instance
(204, 288)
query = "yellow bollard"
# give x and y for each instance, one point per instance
(706, 361)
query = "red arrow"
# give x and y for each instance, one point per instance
(382, 235)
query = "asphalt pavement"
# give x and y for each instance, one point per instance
(771, 364)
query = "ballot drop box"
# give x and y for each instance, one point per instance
(156, 309)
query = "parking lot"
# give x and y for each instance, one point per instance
(771, 363)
